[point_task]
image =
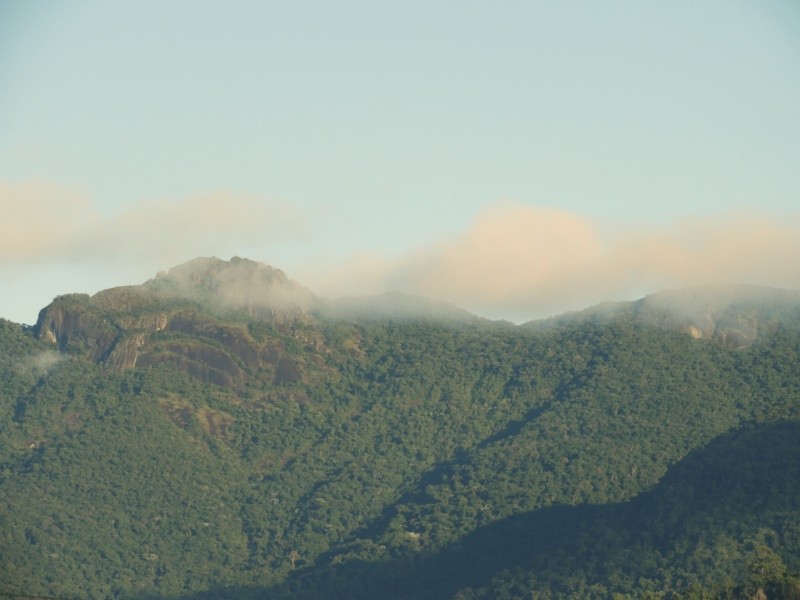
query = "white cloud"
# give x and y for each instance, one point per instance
(523, 262)
(49, 223)
(41, 219)
(513, 261)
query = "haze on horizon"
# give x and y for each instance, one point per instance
(518, 160)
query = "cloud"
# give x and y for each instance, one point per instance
(513, 261)
(43, 362)
(738, 247)
(218, 223)
(47, 222)
(509, 252)
(40, 219)
(524, 262)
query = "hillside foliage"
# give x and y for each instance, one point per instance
(407, 458)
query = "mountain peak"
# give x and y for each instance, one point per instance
(189, 317)
(239, 284)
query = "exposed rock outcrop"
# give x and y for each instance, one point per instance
(71, 324)
(177, 319)
(234, 339)
(200, 360)
(126, 351)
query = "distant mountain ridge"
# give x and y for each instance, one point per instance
(733, 315)
(194, 317)
(220, 431)
(116, 326)
(201, 306)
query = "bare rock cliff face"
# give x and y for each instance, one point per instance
(70, 323)
(178, 319)
(126, 351)
(74, 324)
(230, 337)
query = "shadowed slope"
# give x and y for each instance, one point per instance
(722, 505)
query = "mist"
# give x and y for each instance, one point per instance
(519, 262)
(513, 261)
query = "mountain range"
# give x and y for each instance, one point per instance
(222, 431)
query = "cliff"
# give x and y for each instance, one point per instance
(193, 317)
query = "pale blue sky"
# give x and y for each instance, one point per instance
(390, 131)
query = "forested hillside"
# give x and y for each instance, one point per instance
(222, 432)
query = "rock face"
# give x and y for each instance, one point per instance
(180, 318)
(70, 322)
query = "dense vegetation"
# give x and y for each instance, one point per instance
(414, 457)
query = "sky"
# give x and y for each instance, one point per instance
(518, 159)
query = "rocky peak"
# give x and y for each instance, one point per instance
(181, 317)
(239, 285)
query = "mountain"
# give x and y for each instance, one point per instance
(732, 315)
(221, 431)
(258, 290)
(201, 318)
(192, 317)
